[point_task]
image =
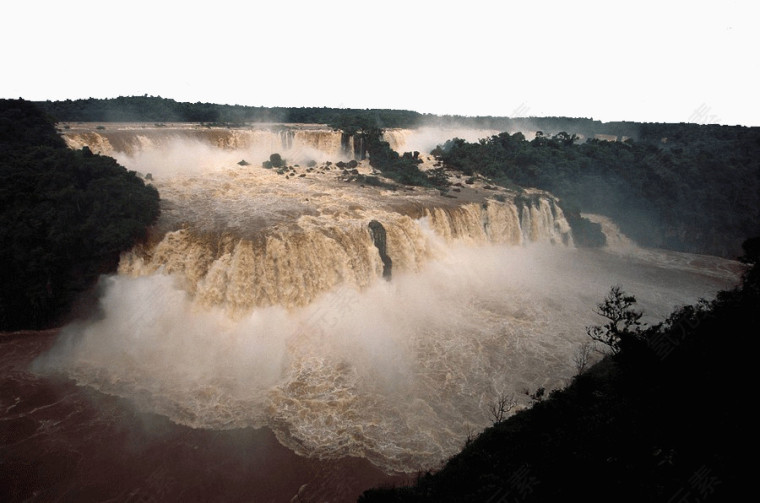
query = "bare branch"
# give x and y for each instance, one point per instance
(581, 357)
(502, 407)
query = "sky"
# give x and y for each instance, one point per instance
(645, 61)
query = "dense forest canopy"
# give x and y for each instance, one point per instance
(680, 186)
(157, 109)
(65, 216)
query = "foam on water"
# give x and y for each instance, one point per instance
(253, 306)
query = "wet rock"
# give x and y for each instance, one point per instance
(377, 231)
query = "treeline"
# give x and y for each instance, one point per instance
(157, 109)
(658, 419)
(588, 128)
(680, 186)
(65, 216)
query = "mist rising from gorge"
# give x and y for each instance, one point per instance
(261, 302)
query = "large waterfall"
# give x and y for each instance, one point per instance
(290, 265)
(299, 143)
(348, 319)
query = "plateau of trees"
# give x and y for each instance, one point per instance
(657, 419)
(158, 109)
(65, 216)
(679, 186)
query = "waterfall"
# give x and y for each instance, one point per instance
(425, 139)
(259, 299)
(298, 144)
(292, 265)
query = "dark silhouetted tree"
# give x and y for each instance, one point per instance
(622, 324)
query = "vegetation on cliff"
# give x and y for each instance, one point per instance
(687, 187)
(65, 216)
(403, 168)
(658, 419)
(684, 187)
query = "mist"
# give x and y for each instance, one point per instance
(260, 302)
(184, 150)
(398, 373)
(425, 139)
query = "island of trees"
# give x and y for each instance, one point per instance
(684, 187)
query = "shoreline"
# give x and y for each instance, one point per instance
(15, 334)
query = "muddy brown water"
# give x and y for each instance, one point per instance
(63, 442)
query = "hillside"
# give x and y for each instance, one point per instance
(65, 216)
(659, 421)
(682, 187)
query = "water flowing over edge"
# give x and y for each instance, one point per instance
(292, 266)
(224, 320)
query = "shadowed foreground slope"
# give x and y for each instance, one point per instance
(657, 422)
(65, 216)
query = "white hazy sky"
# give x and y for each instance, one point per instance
(649, 61)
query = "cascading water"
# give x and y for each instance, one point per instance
(425, 139)
(259, 301)
(293, 265)
(298, 144)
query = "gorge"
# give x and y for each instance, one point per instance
(258, 300)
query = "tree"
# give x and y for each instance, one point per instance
(502, 407)
(623, 321)
(65, 217)
(581, 357)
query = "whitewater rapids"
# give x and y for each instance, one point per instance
(259, 301)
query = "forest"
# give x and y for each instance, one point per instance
(158, 109)
(65, 216)
(684, 187)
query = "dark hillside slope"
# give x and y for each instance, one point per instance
(65, 216)
(660, 421)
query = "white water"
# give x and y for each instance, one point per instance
(261, 303)
(182, 149)
(425, 139)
